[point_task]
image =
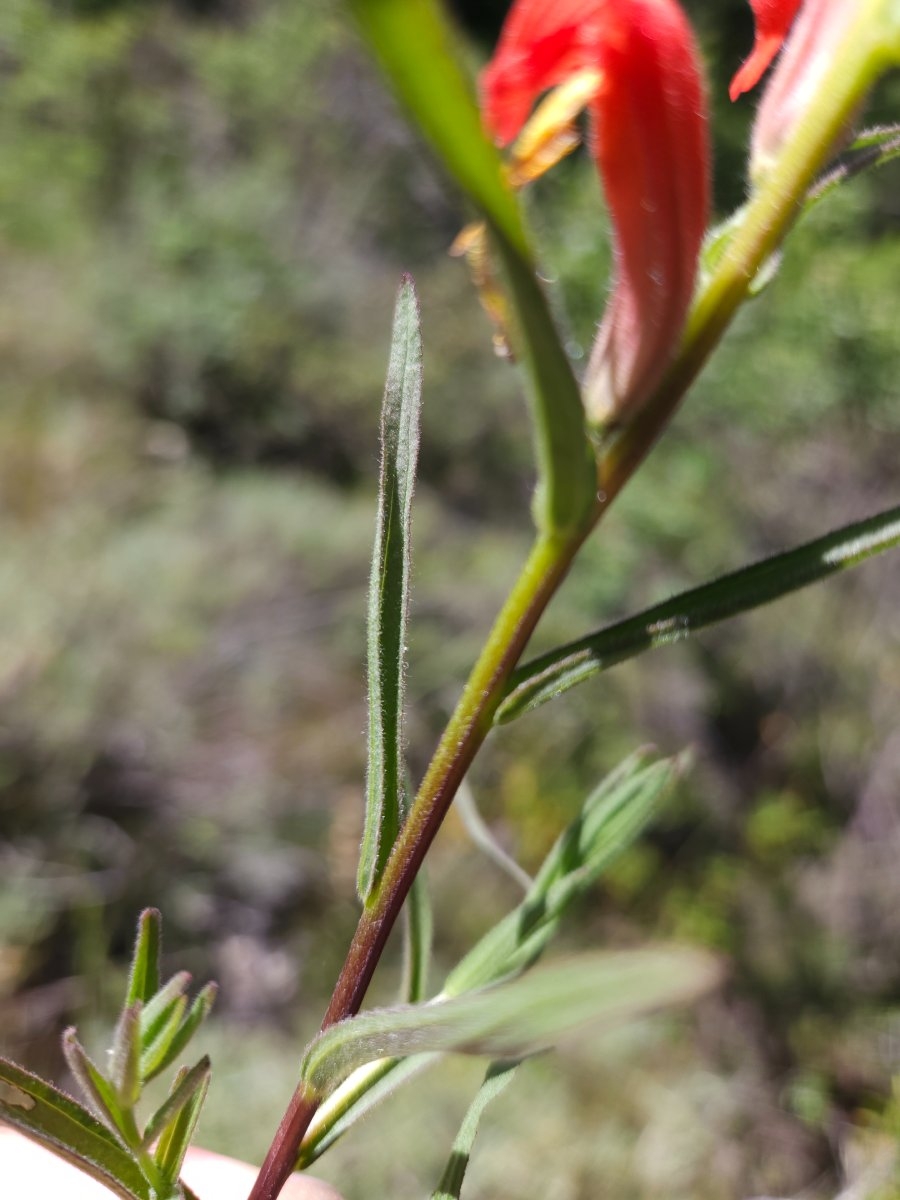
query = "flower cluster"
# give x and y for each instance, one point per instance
(638, 74)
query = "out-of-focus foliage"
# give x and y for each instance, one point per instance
(204, 212)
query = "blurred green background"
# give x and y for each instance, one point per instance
(205, 207)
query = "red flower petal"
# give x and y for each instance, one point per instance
(773, 20)
(650, 145)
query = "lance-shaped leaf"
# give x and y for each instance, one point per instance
(125, 1057)
(157, 1012)
(612, 817)
(173, 1037)
(499, 1076)
(751, 587)
(60, 1124)
(176, 1138)
(143, 978)
(187, 1083)
(389, 589)
(98, 1090)
(516, 1018)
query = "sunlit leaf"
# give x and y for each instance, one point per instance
(389, 589)
(512, 1019)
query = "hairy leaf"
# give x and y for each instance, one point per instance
(512, 1019)
(143, 979)
(60, 1124)
(389, 589)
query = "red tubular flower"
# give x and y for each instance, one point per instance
(650, 145)
(773, 20)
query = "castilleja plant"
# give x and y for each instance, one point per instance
(676, 285)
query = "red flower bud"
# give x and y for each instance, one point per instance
(651, 147)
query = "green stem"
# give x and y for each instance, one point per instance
(545, 568)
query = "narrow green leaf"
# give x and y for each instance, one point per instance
(60, 1124)
(97, 1089)
(124, 1067)
(499, 1076)
(553, 673)
(512, 1019)
(611, 818)
(361, 1091)
(155, 1050)
(143, 979)
(157, 1012)
(166, 1051)
(176, 1137)
(416, 47)
(186, 1084)
(389, 589)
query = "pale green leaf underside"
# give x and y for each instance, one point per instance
(751, 587)
(521, 1016)
(389, 589)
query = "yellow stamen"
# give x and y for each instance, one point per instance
(550, 133)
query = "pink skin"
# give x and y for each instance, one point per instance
(28, 1172)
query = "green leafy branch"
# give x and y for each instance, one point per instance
(107, 1140)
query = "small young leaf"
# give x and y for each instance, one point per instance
(176, 1138)
(98, 1090)
(60, 1124)
(167, 1052)
(124, 1069)
(512, 1019)
(143, 979)
(499, 1076)
(155, 1051)
(186, 1084)
(157, 1012)
(553, 673)
(389, 589)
